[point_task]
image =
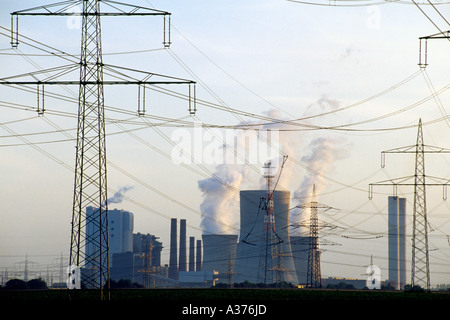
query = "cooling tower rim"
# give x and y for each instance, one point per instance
(263, 190)
(219, 235)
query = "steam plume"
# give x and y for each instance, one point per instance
(324, 151)
(221, 199)
(118, 196)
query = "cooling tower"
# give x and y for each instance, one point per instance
(251, 260)
(300, 253)
(219, 254)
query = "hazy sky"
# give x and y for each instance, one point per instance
(356, 67)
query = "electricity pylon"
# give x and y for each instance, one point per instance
(271, 240)
(90, 185)
(147, 266)
(423, 41)
(313, 273)
(423, 46)
(420, 262)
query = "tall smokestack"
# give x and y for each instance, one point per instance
(183, 259)
(198, 265)
(173, 265)
(191, 254)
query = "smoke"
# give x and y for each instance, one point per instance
(118, 195)
(220, 205)
(324, 151)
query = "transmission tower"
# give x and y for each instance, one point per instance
(423, 46)
(147, 267)
(420, 263)
(313, 274)
(271, 241)
(230, 272)
(423, 41)
(90, 184)
(313, 278)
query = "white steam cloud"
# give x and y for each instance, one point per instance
(221, 199)
(119, 194)
(220, 206)
(323, 152)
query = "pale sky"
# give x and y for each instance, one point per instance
(273, 58)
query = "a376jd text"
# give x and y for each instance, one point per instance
(232, 309)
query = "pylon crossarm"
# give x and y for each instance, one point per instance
(64, 8)
(116, 77)
(439, 35)
(412, 149)
(403, 181)
(73, 8)
(146, 75)
(60, 8)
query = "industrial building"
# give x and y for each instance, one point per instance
(253, 261)
(142, 265)
(120, 228)
(397, 242)
(131, 256)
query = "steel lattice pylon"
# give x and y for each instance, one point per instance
(420, 263)
(89, 237)
(313, 275)
(90, 188)
(268, 258)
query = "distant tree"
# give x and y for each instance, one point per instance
(16, 284)
(340, 286)
(387, 287)
(37, 284)
(416, 288)
(124, 284)
(245, 284)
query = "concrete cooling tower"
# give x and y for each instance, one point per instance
(219, 254)
(300, 253)
(251, 257)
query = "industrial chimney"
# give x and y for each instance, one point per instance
(198, 263)
(191, 254)
(173, 265)
(183, 261)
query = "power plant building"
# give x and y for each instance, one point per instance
(397, 242)
(120, 229)
(255, 261)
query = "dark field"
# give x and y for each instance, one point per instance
(276, 302)
(225, 294)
